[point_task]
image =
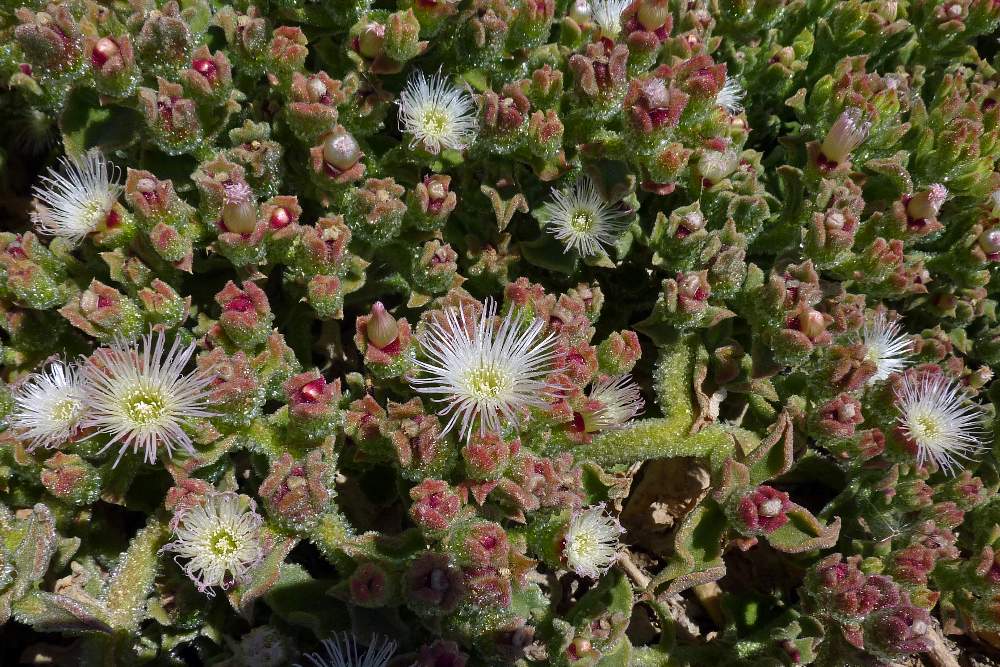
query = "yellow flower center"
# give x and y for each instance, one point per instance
(145, 407)
(487, 381)
(222, 543)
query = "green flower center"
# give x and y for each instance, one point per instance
(487, 381)
(145, 407)
(66, 410)
(435, 123)
(926, 427)
(582, 221)
(222, 543)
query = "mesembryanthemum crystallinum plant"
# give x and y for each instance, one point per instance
(499, 332)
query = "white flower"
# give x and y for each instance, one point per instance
(483, 371)
(886, 346)
(48, 406)
(591, 541)
(937, 416)
(437, 114)
(730, 97)
(342, 651)
(76, 200)
(582, 220)
(141, 396)
(220, 538)
(620, 399)
(608, 15)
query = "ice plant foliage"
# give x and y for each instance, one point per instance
(936, 415)
(437, 115)
(487, 372)
(590, 544)
(581, 218)
(477, 323)
(49, 405)
(342, 651)
(218, 541)
(141, 396)
(886, 345)
(77, 198)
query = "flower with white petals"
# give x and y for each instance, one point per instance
(886, 345)
(608, 15)
(141, 396)
(436, 114)
(342, 651)
(220, 540)
(582, 220)
(484, 371)
(937, 416)
(620, 399)
(591, 541)
(48, 406)
(730, 97)
(77, 199)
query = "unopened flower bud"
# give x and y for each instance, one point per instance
(371, 40)
(926, 203)
(435, 505)
(341, 150)
(847, 133)
(104, 50)
(580, 11)
(715, 165)
(653, 14)
(812, 323)
(382, 328)
(239, 217)
(989, 241)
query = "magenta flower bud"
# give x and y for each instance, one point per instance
(209, 76)
(926, 203)
(246, 315)
(763, 510)
(312, 405)
(435, 505)
(104, 49)
(171, 117)
(433, 585)
(847, 133)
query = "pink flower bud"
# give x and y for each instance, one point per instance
(341, 150)
(382, 329)
(847, 133)
(435, 505)
(104, 50)
(926, 203)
